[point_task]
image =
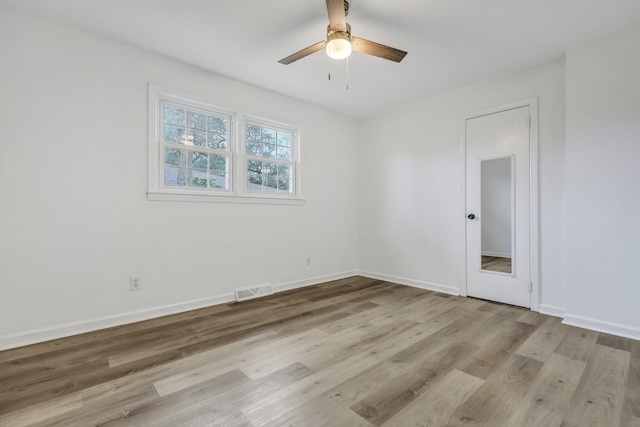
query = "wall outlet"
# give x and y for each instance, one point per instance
(308, 260)
(135, 283)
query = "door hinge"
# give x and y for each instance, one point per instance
(529, 121)
(530, 287)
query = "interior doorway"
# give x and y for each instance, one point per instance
(501, 204)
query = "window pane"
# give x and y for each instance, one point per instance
(198, 160)
(254, 182)
(197, 120)
(175, 176)
(253, 133)
(254, 166)
(270, 183)
(270, 168)
(269, 136)
(254, 148)
(284, 139)
(187, 139)
(284, 170)
(217, 163)
(197, 178)
(217, 124)
(284, 185)
(174, 115)
(200, 138)
(217, 140)
(268, 150)
(284, 152)
(218, 180)
(175, 157)
(174, 134)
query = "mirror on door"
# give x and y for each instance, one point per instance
(497, 214)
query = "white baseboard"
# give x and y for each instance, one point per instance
(411, 282)
(552, 310)
(313, 281)
(497, 254)
(75, 328)
(602, 326)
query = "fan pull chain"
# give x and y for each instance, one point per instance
(347, 73)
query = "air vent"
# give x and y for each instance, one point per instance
(253, 292)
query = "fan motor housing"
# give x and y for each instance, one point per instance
(333, 34)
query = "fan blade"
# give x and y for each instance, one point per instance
(377, 49)
(304, 52)
(337, 15)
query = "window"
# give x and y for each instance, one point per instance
(193, 154)
(195, 147)
(270, 151)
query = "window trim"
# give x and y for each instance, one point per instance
(244, 157)
(237, 191)
(162, 145)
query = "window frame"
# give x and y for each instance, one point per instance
(294, 158)
(237, 175)
(163, 144)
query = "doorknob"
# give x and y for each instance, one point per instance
(471, 216)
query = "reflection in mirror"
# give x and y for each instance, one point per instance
(496, 218)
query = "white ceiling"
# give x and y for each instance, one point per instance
(451, 43)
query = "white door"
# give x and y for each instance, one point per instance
(497, 206)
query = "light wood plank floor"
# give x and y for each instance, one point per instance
(492, 263)
(353, 352)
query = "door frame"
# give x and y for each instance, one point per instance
(534, 233)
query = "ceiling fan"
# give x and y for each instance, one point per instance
(340, 43)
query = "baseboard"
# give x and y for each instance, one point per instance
(70, 329)
(497, 254)
(287, 286)
(602, 326)
(411, 282)
(552, 310)
(75, 328)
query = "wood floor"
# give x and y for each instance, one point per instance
(500, 264)
(354, 352)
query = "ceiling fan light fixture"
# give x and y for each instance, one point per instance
(339, 42)
(338, 45)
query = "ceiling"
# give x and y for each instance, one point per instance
(451, 43)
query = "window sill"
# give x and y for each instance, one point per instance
(215, 198)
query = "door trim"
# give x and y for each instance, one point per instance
(534, 233)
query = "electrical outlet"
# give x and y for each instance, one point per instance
(135, 283)
(308, 260)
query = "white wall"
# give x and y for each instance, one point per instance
(74, 219)
(411, 185)
(603, 184)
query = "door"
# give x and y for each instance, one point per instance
(498, 206)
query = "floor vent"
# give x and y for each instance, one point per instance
(253, 292)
